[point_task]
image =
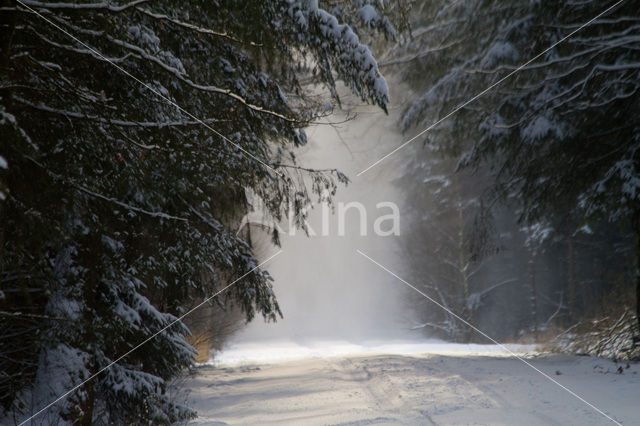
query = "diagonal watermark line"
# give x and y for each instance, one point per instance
(514, 355)
(147, 340)
(147, 86)
(485, 91)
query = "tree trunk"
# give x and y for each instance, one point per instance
(571, 277)
(463, 265)
(533, 299)
(88, 405)
(638, 281)
(7, 25)
(635, 223)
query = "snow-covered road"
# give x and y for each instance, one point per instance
(453, 384)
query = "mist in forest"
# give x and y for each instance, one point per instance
(326, 290)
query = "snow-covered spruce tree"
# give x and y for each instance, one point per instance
(558, 141)
(118, 208)
(462, 247)
(564, 134)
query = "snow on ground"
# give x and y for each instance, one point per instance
(404, 383)
(316, 366)
(270, 352)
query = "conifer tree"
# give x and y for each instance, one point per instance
(128, 134)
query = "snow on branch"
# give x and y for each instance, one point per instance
(192, 27)
(106, 5)
(114, 122)
(181, 75)
(130, 207)
(77, 49)
(338, 43)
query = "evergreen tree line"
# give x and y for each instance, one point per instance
(525, 202)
